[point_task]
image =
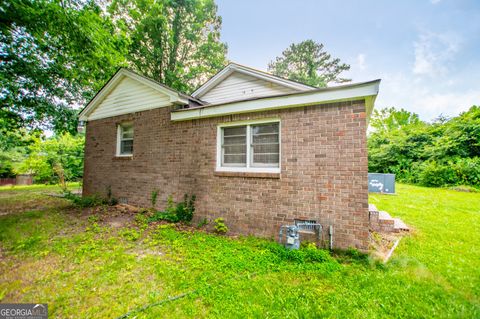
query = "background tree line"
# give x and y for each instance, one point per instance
(444, 152)
(54, 56)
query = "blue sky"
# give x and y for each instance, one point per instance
(427, 52)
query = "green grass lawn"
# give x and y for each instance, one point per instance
(83, 267)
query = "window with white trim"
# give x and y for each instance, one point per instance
(125, 139)
(249, 147)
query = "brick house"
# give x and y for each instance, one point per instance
(258, 150)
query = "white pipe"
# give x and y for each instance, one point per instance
(387, 257)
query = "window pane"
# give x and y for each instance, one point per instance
(266, 138)
(127, 131)
(265, 148)
(235, 149)
(265, 128)
(234, 146)
(265, 145)
(239, 159)
(238, 130)
(266, 159)
(234, 140)
(126, 147)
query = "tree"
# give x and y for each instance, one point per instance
(389, 119)
(445, 152)
(54, 159)
(176, 42)
(54, 55)
(308, 63)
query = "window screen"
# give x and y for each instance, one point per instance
(265, 145)
(234, 147)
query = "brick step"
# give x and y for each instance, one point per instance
(384, 216)
(385, 222)
(399, 226)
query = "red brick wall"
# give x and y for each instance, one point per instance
(323, 169)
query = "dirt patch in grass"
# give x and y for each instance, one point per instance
(117, 216)
(381, 244)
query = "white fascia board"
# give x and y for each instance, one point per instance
(175, 98)
(349, 92)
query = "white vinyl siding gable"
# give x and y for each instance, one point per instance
(127, 97)
(240, 86)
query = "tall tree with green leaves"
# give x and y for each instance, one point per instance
(176, 42)
(54, 55)
(388, 119)
(307, 62)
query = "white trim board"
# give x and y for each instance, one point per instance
(367, 91)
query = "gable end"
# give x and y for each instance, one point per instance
(127, 92)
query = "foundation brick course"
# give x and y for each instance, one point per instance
(323, 169)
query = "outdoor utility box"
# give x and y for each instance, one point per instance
(381, 183)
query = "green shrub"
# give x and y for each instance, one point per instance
(467, 171)
(185, 209)
(220, 226)
(141, 220)
(153, 198)
(436, 174)
(88, 201)
(202, 223)
(308, 254)
(166, 216)
(176, 212)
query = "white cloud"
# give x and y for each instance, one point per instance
(360, 63)
(402, 91)
(434, 51)
(449, 104)
(435, 1)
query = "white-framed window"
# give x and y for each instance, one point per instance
(252, 146)
(125, 139)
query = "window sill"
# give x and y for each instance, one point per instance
(123, 157)
(247, 174)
